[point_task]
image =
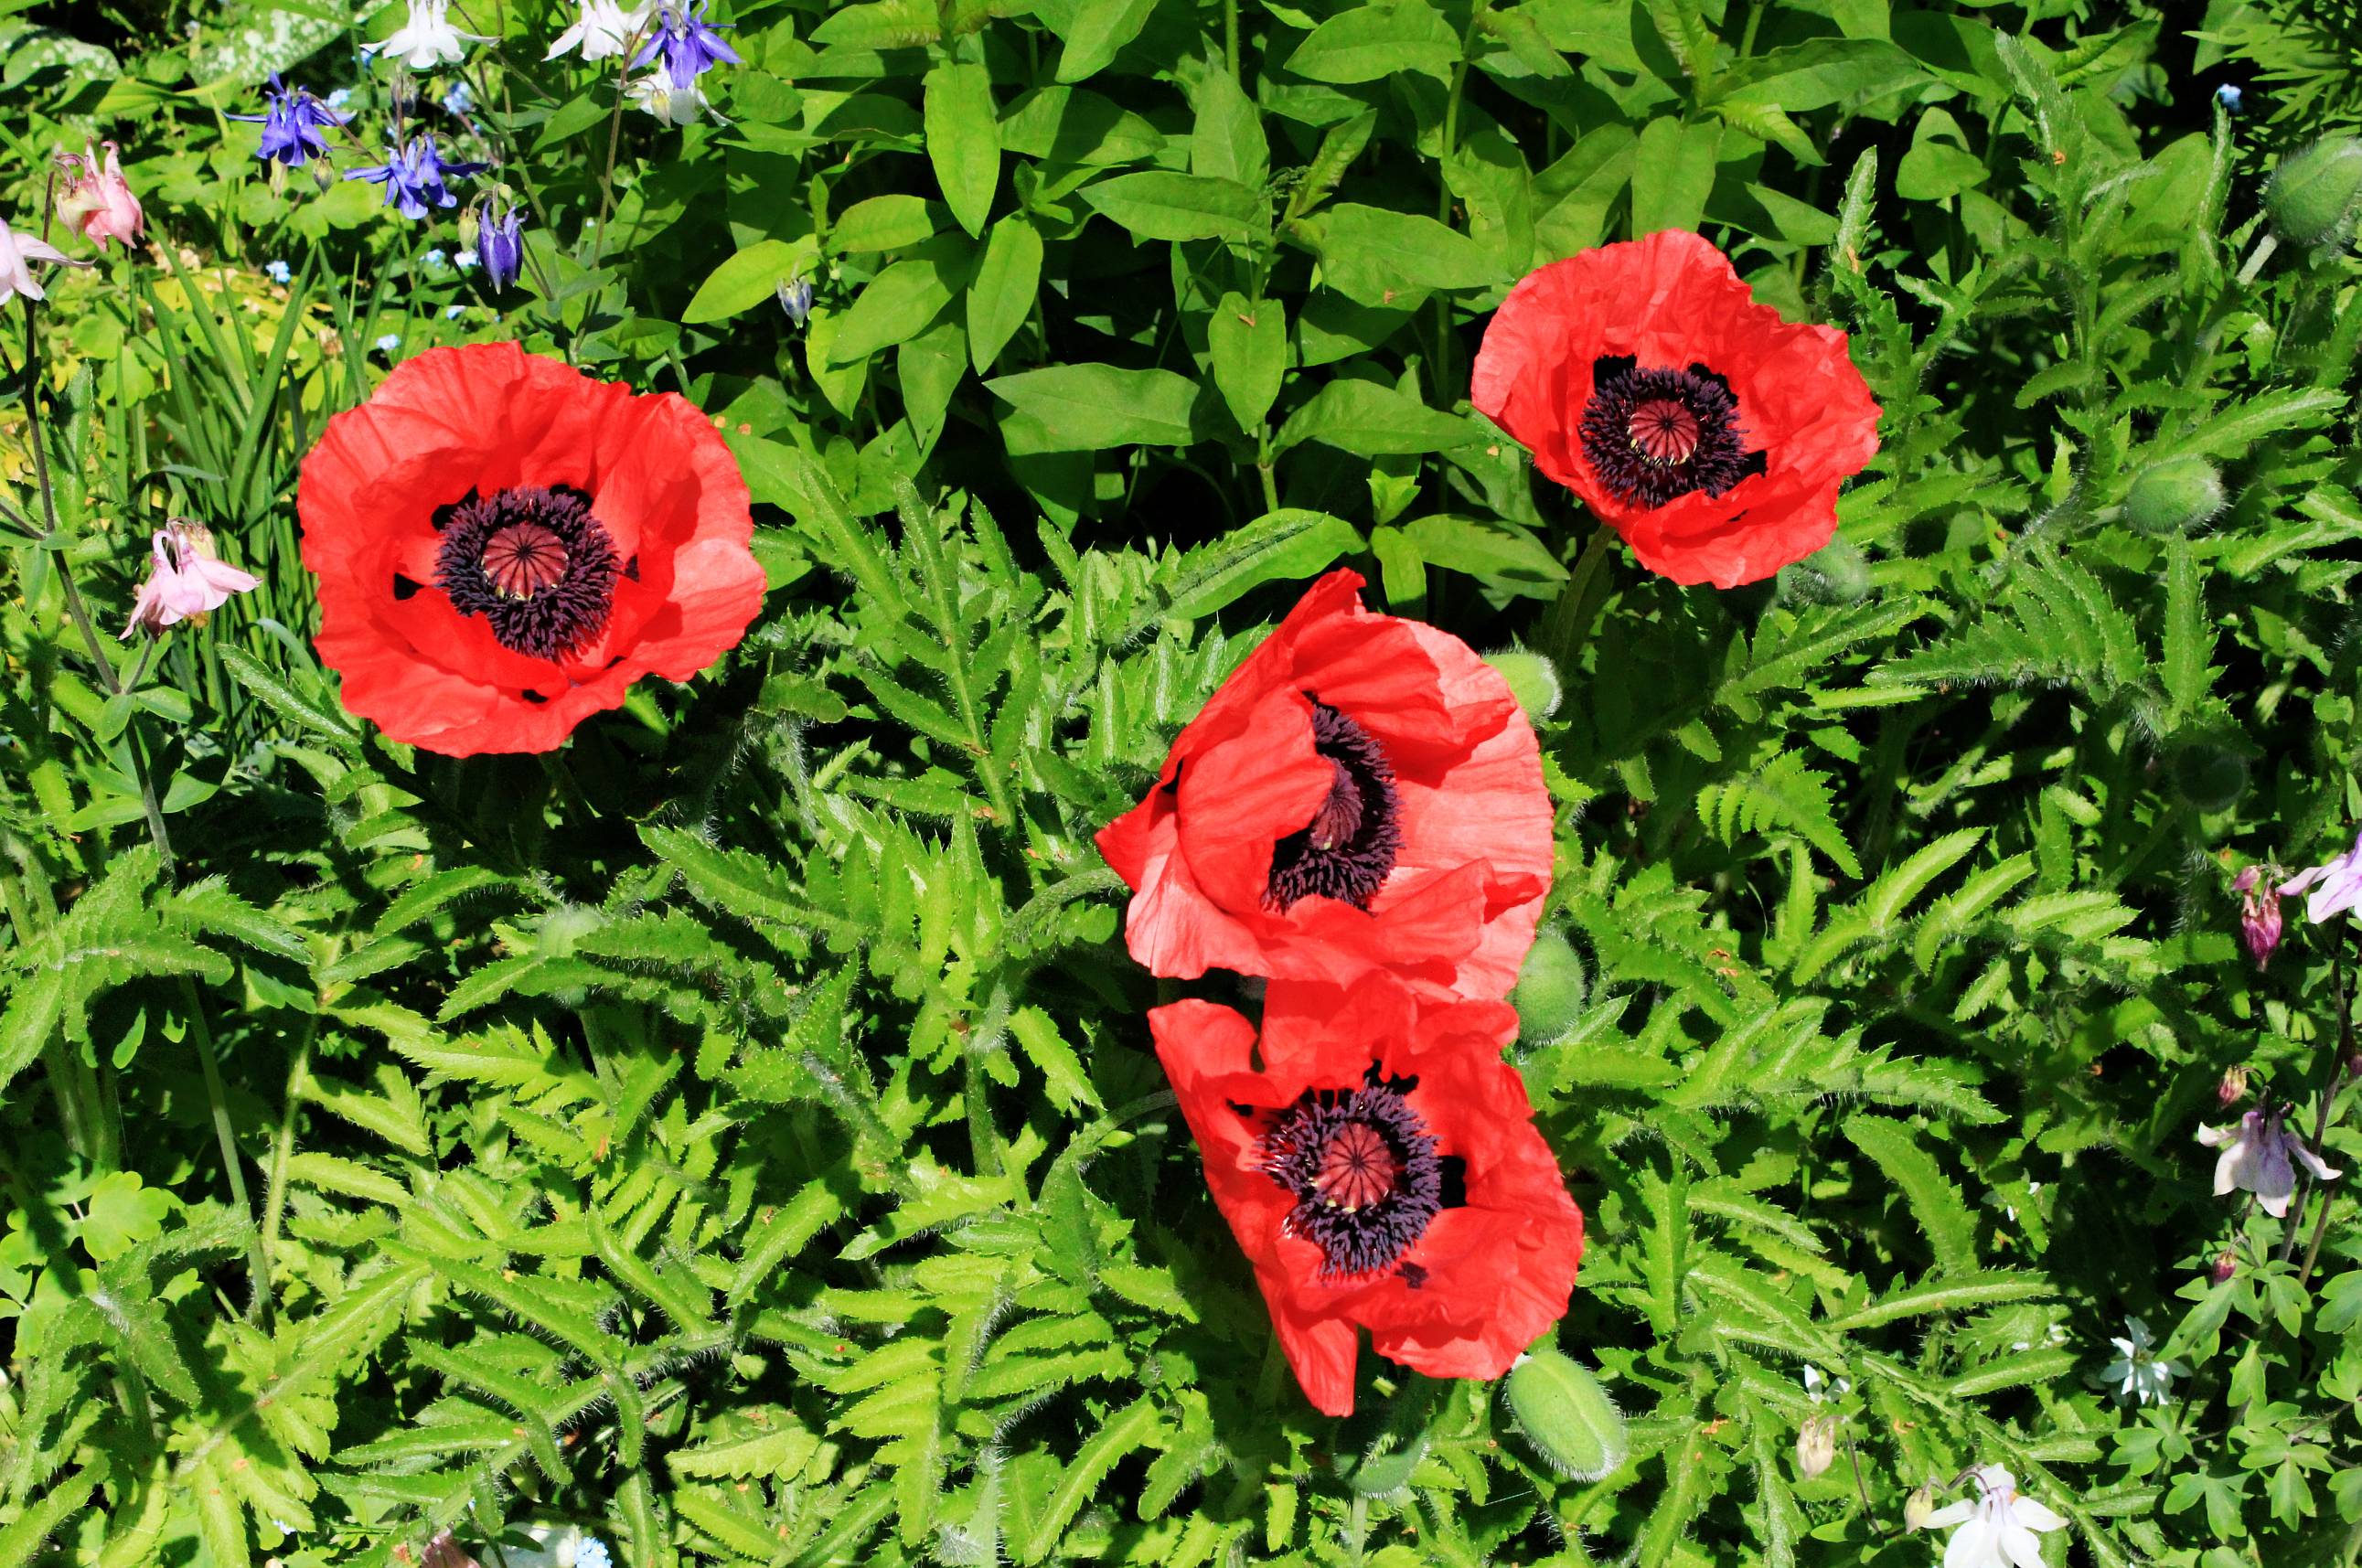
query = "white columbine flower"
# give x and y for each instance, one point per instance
(2261, 1155)
(603, 29)
(1815, 1381)
(2140, 1376)
(677, 106)
(1996, 1528)
(429, 40)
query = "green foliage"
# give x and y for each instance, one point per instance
(736, 1136)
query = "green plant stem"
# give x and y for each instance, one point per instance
(1566, 626)
(75, 610)
(1446, 361)
(201, 1033)
(1231, 36)
(274, 1197)
(2331, 1081)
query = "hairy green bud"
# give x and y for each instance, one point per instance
(2313, 193)
(2174, 496)
(1551, 989)
(1836, 573)
(2209, 778)
(1566, 1415)
(1533, 680)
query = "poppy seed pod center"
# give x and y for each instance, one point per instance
(1656, 435)
(1349, 846)
(1364, 1171)
(534, 562)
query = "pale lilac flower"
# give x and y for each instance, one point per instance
(427, 39)
(465, 261)
(458, 100)
(1997, 1528)
(97, 199)
(388, 343)
(2140, 1378)
(183, 580)
(2259, 913)
(18, 254)
(278, 271)
(602, 30)
(2336, 886)
(592, 1553)
(796, 299)
(2261, 1155)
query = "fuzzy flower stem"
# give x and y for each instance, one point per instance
(258, 1263)
(2258, 257)
(75, 608)
(274, 1199)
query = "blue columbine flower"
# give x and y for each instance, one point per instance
(592, 1553)
(388, 343)
(500, 244)
(2228, 96)
(687, 43)
(277, 271)
(414, 177)
(795, 298)
(292, 122)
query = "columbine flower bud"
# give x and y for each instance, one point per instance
(795, 298)
(1817, 1445)
(501, 246)
(2234, 1086)
(2259, 915)
(2313, 193)
(2226, 1263)
(1918, 1507)
(2174, 496)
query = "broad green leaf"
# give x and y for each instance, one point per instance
(1672, 172)
(1371, 43)
(1371, 255)
(1089, 408)
(963, 140)
(1373, 420)
(748, 279)
(1002, 294)
(1158, 205)
(1290, 542)
(1247, 340)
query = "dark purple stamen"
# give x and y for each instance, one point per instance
(1653, 435)
(1349, 845)
(1365, 1172)
(533, 562)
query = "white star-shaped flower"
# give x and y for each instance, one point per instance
(2140, 1376)
(1997, 1528)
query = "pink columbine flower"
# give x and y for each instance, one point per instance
(18, 254)
(2259, 913)
(97, 199)
(2261, 1155)
(185, 579)
(2337, 887)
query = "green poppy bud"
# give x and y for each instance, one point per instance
(1566, 1415)
(2174, 496)
(1836, 573)
(2313, 193)
(1533, 681)
(2209, 778)
(1550, 991)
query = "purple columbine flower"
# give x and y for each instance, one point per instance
(687, 43)
(414, 177)
(2337, 887)
(2259, 912)
(501, 246)
(2261, 1155)
(291, 124)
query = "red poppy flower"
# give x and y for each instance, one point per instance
(1705, 430)
(504, 544)
(1382, 1171)
(1363, 792)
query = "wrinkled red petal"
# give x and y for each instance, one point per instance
(488, 417)
(1672, 300)
(1492, 1275)
(1458, 910)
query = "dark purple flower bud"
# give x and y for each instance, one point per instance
(500, 244)
(2260, 924)
(2226, 1263)
(292, 122)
